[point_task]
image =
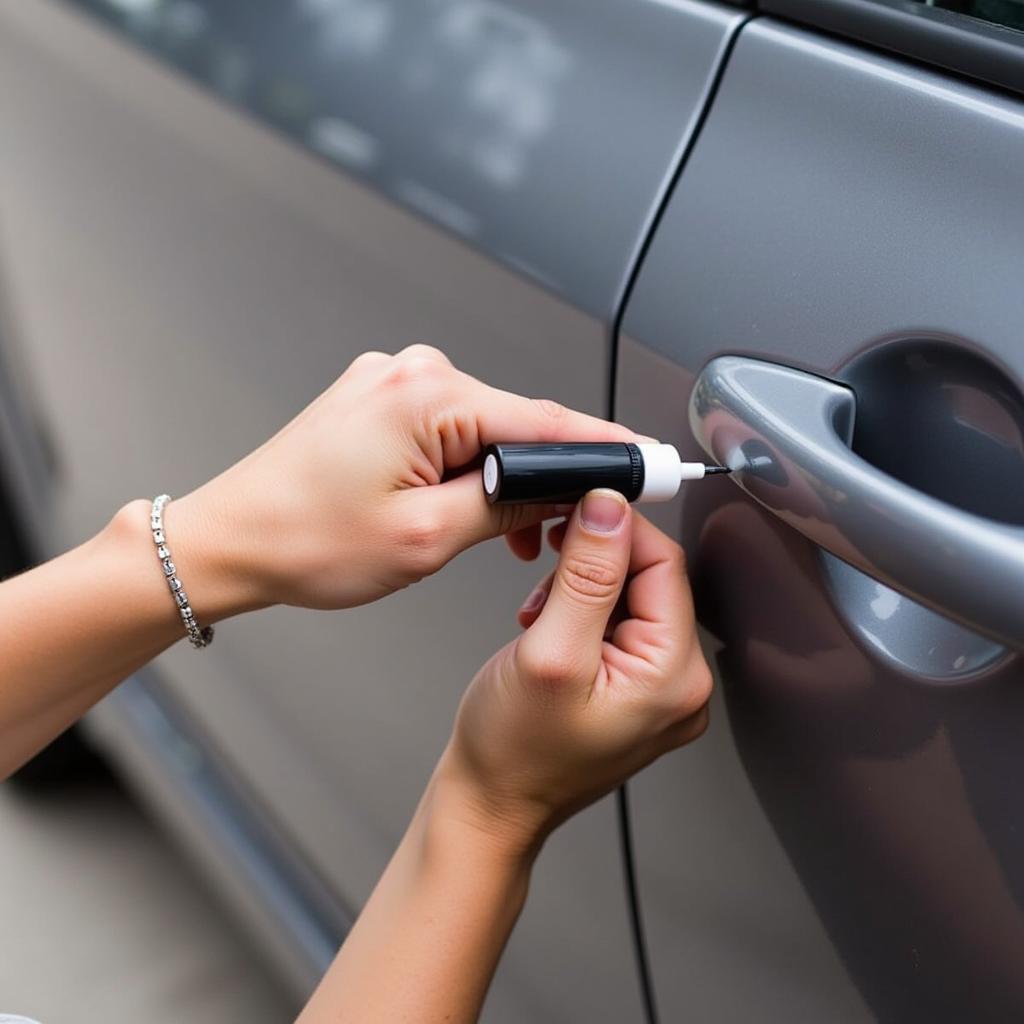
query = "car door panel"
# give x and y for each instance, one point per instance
(183, 280)
(538, 132)
(858, 218)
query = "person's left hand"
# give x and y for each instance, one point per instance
(366, 491)
(607, 676)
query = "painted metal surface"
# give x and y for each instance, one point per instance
(924, 31)
(286, 909)
(859, 219)
(183, 281)
(536, 131)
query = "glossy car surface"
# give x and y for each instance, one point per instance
(643, 208)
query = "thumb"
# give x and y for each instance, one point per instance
(565, 641)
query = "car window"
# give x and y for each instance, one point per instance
(999, 12)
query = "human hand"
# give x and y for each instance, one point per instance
(365, 491)
(607, 676)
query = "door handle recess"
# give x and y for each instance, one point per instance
(786, 434)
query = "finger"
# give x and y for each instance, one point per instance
(459, 415)
(468, 415)
(657, 567)
(503, 416)
(526, 543)
(660, 625)
(528, 551)
(531, 608)
(619, 614)
(566, 639)
(556, 535)
(465, 518)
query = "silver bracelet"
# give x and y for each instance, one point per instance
(198, 636)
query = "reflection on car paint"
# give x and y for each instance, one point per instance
(477, 80)
(542, 133)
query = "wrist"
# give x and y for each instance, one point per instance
(506, 829)
(454, 848)
(216, 557)
(213, 572)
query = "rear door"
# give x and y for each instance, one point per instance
(183, 278)
(846, 843)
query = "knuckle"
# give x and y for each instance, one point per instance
(589, 578)
(423, 367)
(699, 723)
(368, 359)
(422, 541)
(677, 558)
(699, 684)
(422, 351)
(546, 668)
(554, 411)
(411, 371)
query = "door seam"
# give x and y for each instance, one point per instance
(634, 904)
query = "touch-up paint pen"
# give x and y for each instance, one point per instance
(556, 474)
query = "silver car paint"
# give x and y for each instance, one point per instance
(181, 281)
(538, 132)
(859, 218)
(787, 435)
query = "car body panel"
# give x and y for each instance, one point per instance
(285, 910)
(731, 933)
(537, 131)
(857, 217)
(181, 281)
(976, 42)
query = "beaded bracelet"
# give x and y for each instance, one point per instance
(198, 637)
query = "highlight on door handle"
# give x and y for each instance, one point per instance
(786, 434)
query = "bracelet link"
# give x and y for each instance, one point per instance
(198, 636)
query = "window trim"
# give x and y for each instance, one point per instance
(980, 49)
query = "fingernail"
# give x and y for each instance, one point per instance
(603, 511)
(534, 601)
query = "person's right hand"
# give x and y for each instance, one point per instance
(370, 488)
(608, 676)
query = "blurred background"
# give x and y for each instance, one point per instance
(104, 921)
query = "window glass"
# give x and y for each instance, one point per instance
(999, 12)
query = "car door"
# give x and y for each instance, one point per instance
(184, 278)
(846, 842)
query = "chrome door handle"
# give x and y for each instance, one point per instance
(787, 434)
